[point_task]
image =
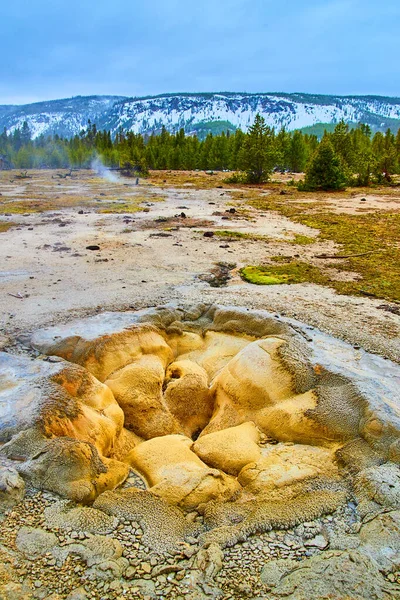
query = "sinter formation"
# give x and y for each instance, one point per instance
(220, 411)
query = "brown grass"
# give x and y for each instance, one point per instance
(194, 179)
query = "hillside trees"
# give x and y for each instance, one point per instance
(25, 134)
(384, 148)
(363, 158)
(236, 142)
(259, 154)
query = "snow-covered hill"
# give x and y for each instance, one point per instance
(199, 112)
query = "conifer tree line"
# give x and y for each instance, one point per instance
(345, 156)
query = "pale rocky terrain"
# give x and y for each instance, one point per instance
(145, 258)
(191, 450)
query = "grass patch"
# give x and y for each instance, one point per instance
(292, 272)
(138, 199)
(240, 235)
(19, 207)
(378, 232)
(5, 226)
(120, 209)
(51, 203)
(128, 205)
(195, 179)
(236, 177)
(302, 240)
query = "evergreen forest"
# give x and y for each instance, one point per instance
(345, 156)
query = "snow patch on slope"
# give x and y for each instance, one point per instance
(146, 115)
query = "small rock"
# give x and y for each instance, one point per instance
(130, 573)
(191, 540)
(146, 567)
(166, 569)
(318, 542)
(189, 552)
(35, 542)
(244, 589)
(77, 594)
(115, 585)
(12, 488)
(209, 560)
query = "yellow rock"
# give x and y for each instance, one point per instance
(73, 469)
(284, 465)
(174, 374)
(109, 353)
(81, 407)
(255, 377)
(252, 380)
(230, 449)
(138, 390)
(256, 386)
(125, 443)
(173, 472)
(184, 342)
(288, 421)
(216, 351)
(187, 395)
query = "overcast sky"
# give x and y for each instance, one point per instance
(60, 48)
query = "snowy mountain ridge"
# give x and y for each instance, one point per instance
(199, 113)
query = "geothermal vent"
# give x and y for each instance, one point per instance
(227, 412)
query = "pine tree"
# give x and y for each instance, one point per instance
(341, 141)
(384, 149)
(297, 153)
(25, 133)
(324, 171)
(283, 143)
(398, 151)
(258, 155)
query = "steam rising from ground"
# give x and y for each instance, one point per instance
(103, 171)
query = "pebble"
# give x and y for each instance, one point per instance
(145, 567)
(318, 541)
(169, 574)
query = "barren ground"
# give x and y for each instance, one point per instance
(150, 253)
